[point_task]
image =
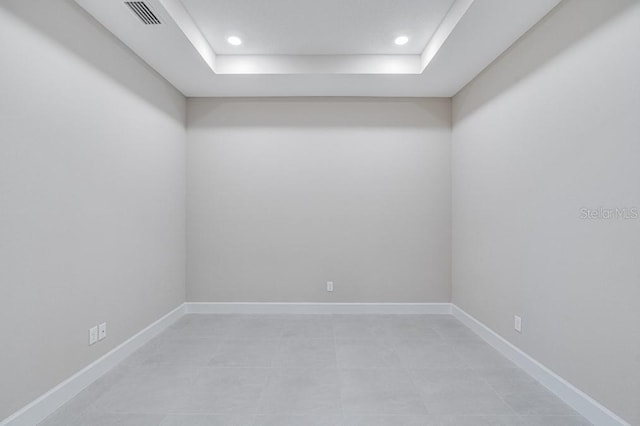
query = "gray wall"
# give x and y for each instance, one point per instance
(92, 190)
(287, 194)
(550, 128)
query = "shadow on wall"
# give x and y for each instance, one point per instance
(319, 112)
(66, 23)
(536, 48)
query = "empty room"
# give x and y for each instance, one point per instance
(320, 213)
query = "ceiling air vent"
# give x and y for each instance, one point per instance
(143, 12)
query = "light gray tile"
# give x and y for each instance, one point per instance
(428, 354)
(403, 327)
(104, 419)
(534, 399)
(148, 389)
(187, 351)
(384, 420)
(455, 330)
(124, 419)
(477, 421)
(63, 417)
(508, 420)
(307, 327)
(354, 327)
(444, 320)
(554, 421)
(365, 353)
(244, 353)
(201, 326)
(298, 420)
(433, 420)
(206, 420)
(69, 413)
(479, 354)
(458, 391)
(504, 380)
(257, 327)
(379, 392)
(223, 391)
(305, 353)
(301, 391)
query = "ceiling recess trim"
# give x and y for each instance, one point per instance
(314, 64)
(176, 10)
(446, 27)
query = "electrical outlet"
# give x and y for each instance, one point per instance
(93, 335)
(329, 285)
(102, 331)
(517, 323)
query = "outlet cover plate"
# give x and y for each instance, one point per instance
(93, 335)
(102, 331)
(517, 323)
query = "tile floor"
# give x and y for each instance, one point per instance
(299, 370)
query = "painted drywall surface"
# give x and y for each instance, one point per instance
(284, 195)
(550, 129)
(92, 192)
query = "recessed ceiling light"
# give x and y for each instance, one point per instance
(402, 40)
(234, 41)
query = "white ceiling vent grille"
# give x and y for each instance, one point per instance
(143, 12)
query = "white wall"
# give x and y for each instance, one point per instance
(92, 192)
(553, 126)
(287, 194)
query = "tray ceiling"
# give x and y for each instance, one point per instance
(318, 48)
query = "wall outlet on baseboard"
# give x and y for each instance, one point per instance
(329, 285)
(102, 331)
(93, 335)
(517, 323)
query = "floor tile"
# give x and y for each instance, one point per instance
(454, 330)
(63, 417)
(244, 353)
(223, 391)
(206, 420)
(478, 354)
(354, 327)
(125, 419)
(148, 389)
(365, 353)
(70, 412)
(298, 420)
(258, 327)
(305, 353)
(403, 327)
(554, 421)
(307, 327)
(504, 380)
(534, 399)
(428, 354)
(187, 351)
(384, 420)
(379, 392)
(431, 420)
(458, 391)
(301, 391)
(201, 326)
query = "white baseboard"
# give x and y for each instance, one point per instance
(36, 411)
(317, 308)
(588, 407)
